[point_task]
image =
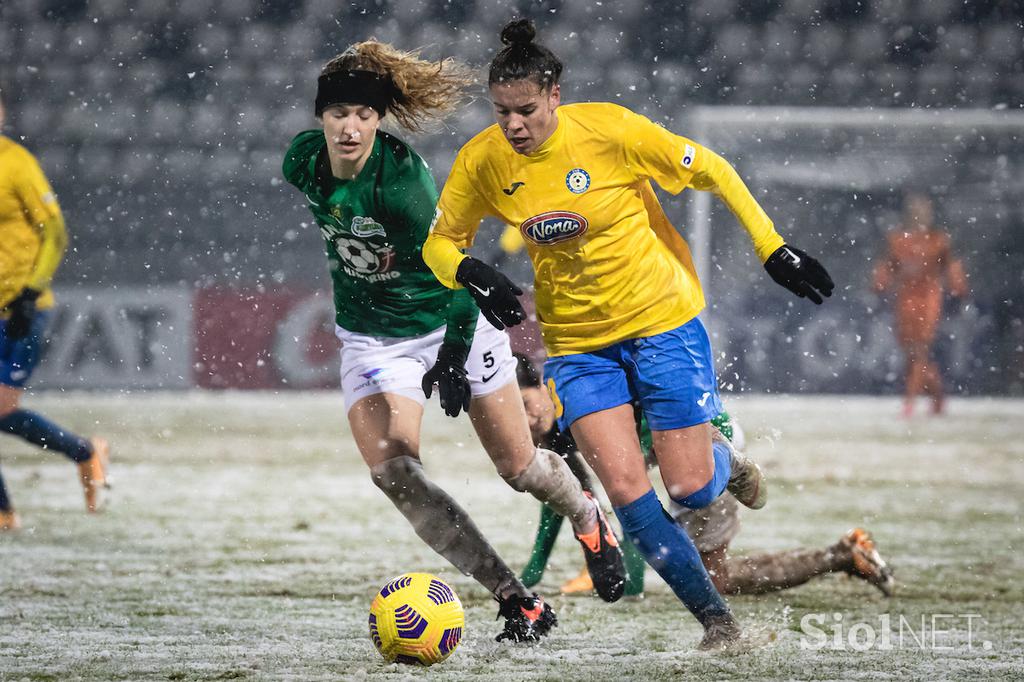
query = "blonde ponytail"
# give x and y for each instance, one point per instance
(424, 91)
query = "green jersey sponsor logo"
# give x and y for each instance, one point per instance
(366, 227)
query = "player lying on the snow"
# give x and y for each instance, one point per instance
(711, 528)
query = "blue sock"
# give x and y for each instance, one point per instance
(671, 552)
(38, 430)
(719, 479)
(5, 502)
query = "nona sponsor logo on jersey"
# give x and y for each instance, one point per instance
(553, 227)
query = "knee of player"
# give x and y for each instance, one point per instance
(389, 448)
(396, 473)
(10, 421)
(519, 481)
(525, 477)
(694, 500)
(514, 460)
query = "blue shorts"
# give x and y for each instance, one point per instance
(19, 358)
(671, 376)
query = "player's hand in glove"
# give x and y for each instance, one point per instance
(798, 272)
(449, 373)
(22, 311)
(494, 293)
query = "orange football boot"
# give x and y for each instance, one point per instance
(92, 473)
(9, 520)
(867, 562)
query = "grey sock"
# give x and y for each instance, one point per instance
(444, 525)
(548, 478)
(781, 570)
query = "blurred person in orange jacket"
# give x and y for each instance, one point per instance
(919, 268)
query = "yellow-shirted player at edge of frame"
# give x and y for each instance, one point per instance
(32, 243)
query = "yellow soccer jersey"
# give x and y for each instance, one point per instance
(608, 264)
(32, 236)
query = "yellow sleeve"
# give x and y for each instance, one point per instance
(43, 213)
(676, 162)
(653, 152)
(459, 211)
(443, 257)
(716, 175)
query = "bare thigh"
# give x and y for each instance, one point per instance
(385, 426)
(684, 458)
(609, 442)
(500, 423)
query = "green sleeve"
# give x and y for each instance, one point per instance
(296, 167)
(416, 202)
(462, 316)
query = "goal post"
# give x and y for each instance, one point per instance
(832, 180)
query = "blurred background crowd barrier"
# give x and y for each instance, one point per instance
(162, 127)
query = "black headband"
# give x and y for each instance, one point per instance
(354, 87)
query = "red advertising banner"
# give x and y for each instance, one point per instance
(248, 338)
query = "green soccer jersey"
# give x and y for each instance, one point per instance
(374, 227)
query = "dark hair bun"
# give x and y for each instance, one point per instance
(518, 32)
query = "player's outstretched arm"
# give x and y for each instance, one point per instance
(787, 265)
(956, 276)
(676, 162)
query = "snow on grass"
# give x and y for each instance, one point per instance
(245, 541)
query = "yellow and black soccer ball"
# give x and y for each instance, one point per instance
(416, 618)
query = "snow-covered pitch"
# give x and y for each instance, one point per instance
(245, 541)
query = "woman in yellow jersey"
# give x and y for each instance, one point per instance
(617, 294)
(32, 241)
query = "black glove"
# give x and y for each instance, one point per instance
(449, 373)
(798, 272)
(22, 310)
(494, 293)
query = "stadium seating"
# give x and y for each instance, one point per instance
(198, 100)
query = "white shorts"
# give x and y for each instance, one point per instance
(373, 364)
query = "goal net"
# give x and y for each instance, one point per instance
(832, 181)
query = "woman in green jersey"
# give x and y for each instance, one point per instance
(373, 198)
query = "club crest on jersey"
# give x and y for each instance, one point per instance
(553, 227)
(577, 180)
(366, 227)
